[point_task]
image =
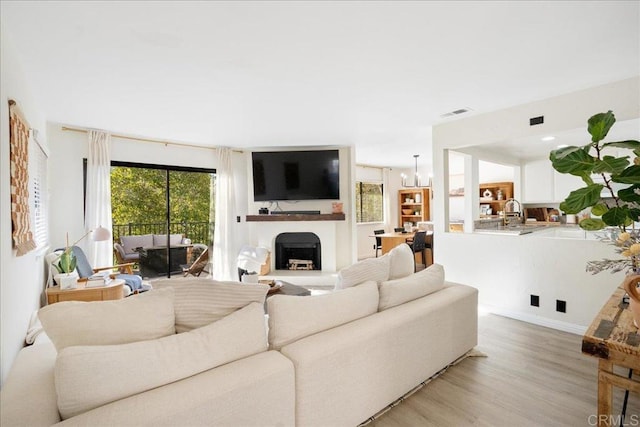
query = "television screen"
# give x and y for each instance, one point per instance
(295, 175)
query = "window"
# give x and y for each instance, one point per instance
(38, 196)
(369, 202)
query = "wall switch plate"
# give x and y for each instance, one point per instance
(561, 306)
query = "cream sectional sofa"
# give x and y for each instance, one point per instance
(326, 360)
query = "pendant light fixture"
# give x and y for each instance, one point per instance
(416, 176)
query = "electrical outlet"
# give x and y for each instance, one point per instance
(561, 306)
(535, 300)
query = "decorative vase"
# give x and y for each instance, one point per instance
(631, 286)
(67, 280)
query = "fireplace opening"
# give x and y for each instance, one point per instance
(298, 251)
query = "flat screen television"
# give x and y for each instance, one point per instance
(295, 175)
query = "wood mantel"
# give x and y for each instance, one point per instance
(297, 217)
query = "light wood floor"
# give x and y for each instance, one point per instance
(533, 376)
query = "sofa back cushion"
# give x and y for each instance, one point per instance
(401, 262)
(201, 301)
(370, 269)
(91, 376)
(130, 243)
(292, 317)
(414, 286)
(145, 316)
(161, 239)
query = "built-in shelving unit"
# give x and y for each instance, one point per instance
(495, 194)
(413, 205)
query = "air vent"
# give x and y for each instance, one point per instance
(455, 112)
(536, 120)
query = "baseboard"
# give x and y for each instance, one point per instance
(536, 320)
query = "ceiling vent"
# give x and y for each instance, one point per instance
(455, 112)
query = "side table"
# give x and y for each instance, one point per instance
(614, 339)
(112, 291)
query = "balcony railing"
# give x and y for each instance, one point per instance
(197, 231)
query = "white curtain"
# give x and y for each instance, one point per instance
(98, 198)
(225, 249)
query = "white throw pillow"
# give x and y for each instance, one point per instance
(200, 301)
(375, 269)
(140, 317)
(417, 285)
(293, 317)
(402, 262)
(87, 377)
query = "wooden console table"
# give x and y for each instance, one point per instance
(113, 290)
(613, 338)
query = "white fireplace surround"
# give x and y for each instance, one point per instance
(264, 234)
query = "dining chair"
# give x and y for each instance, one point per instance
(378, 241)
(398, 229)
(419, 244)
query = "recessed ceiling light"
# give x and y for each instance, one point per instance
(562, 146)
(548, 138)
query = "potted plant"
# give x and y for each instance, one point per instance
(617, 209)
(67, 277)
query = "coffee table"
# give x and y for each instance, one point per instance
(287, 289)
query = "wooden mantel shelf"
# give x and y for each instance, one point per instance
(297, 217)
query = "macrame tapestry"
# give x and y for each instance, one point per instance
(19, 160)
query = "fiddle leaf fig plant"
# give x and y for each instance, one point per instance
(619, 209)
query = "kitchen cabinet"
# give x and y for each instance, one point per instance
(413, 205)
(495, 194)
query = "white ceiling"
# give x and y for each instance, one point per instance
(376, 75)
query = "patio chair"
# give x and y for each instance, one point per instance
(200, 264)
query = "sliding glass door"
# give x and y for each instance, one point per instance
(163, 216)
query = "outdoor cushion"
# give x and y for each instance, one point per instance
(145, 316)
(417, 285)
(161, 239)
(130, 243)
(90, 376)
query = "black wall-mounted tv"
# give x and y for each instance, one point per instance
(296, 175)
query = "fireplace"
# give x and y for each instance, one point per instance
(299, 251)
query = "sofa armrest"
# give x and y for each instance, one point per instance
(28, 396)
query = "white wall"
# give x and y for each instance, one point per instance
(506, 269)
(21, 278)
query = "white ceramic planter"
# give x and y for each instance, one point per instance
(67, 280)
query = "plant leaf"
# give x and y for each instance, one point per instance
(573, 160)
(610, 164)
(599, 209)
(630, 175)
(629, 194)
(599, 125)
(631, 144)
(617, 216)
(592, 224)
(581, 198)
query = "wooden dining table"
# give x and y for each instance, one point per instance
(391, 240)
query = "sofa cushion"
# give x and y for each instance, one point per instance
(200, 301)
(130, 243)
(145, 316)
(161, 239)
(294, 317)
(402, 262)
(90, 376)
(399, 291)
(375, 269)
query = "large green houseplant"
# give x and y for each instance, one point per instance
(609, 208)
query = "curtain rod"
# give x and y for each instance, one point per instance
(155, 141)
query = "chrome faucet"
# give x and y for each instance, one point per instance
(510, 214)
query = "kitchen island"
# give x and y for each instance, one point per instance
(511, 269)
